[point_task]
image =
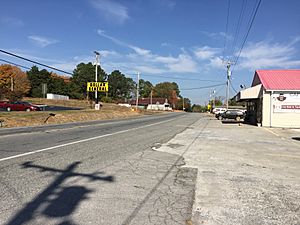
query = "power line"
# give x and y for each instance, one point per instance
(238, 27)
(15, 64)
(226, 31)
(35, 62)
(247, 34)
(204, 87)
(233, 88)
(178, 78)
(217, 92)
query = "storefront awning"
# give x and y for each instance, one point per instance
(250, 93)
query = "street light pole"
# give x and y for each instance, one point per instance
(96, 78)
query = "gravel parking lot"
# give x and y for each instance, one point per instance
(246, 174)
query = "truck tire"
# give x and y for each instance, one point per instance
(238, 118)
(8, 109)
(220, 117)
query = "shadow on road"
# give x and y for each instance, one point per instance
(56, 201)
(232, 122)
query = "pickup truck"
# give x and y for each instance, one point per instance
(18, 106)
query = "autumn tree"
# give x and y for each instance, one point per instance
(13, 81)
(187, 104)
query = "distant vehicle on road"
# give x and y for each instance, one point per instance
(18, 106)
(218, 111)
(233, 114)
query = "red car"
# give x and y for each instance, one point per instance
(19, 106)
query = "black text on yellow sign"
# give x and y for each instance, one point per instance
(97, 86)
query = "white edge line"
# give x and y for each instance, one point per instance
(81, 141)
(272, 132)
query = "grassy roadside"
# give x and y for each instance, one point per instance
(108, 111)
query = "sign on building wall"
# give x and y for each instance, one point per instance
(287, 102)
(97, 86)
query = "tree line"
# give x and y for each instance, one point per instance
(15, 84)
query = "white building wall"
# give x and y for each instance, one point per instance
(282, 110)
(266, 105)
(57, 97)
(163, 107)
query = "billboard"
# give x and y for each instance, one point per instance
(97, 86)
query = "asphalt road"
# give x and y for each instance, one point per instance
(96, 173)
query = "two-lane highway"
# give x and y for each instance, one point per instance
(96, 173)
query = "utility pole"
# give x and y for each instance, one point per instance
(228, 83)
(214, 98)
(151, 94)
(137, 91)
(96, 80)
(11, 83)
(182, 103)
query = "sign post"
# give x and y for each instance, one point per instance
(96, 80)
(97, 87)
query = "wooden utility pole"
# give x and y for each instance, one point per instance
(137, 91)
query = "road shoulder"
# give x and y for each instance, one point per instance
(246, 175)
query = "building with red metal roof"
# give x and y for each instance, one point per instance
(274, 98)
(277, 79)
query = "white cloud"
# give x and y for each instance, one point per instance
(265, 55)
(206, 52)
(218, 35)
(165, 59)
(165, 44)
(68, 66)
(184, 64)
(217, 62)
(115, 40)
(138, 50)
(149, 69)
(42, 41)
(153, 63)
(112, 10)
(106, 54)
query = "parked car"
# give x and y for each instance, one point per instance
(218, 111)
(234, 114)
(18, 106)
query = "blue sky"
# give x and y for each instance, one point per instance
(165, 40)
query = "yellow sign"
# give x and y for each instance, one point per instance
(97, 86)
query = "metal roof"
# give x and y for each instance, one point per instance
(277, 79)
